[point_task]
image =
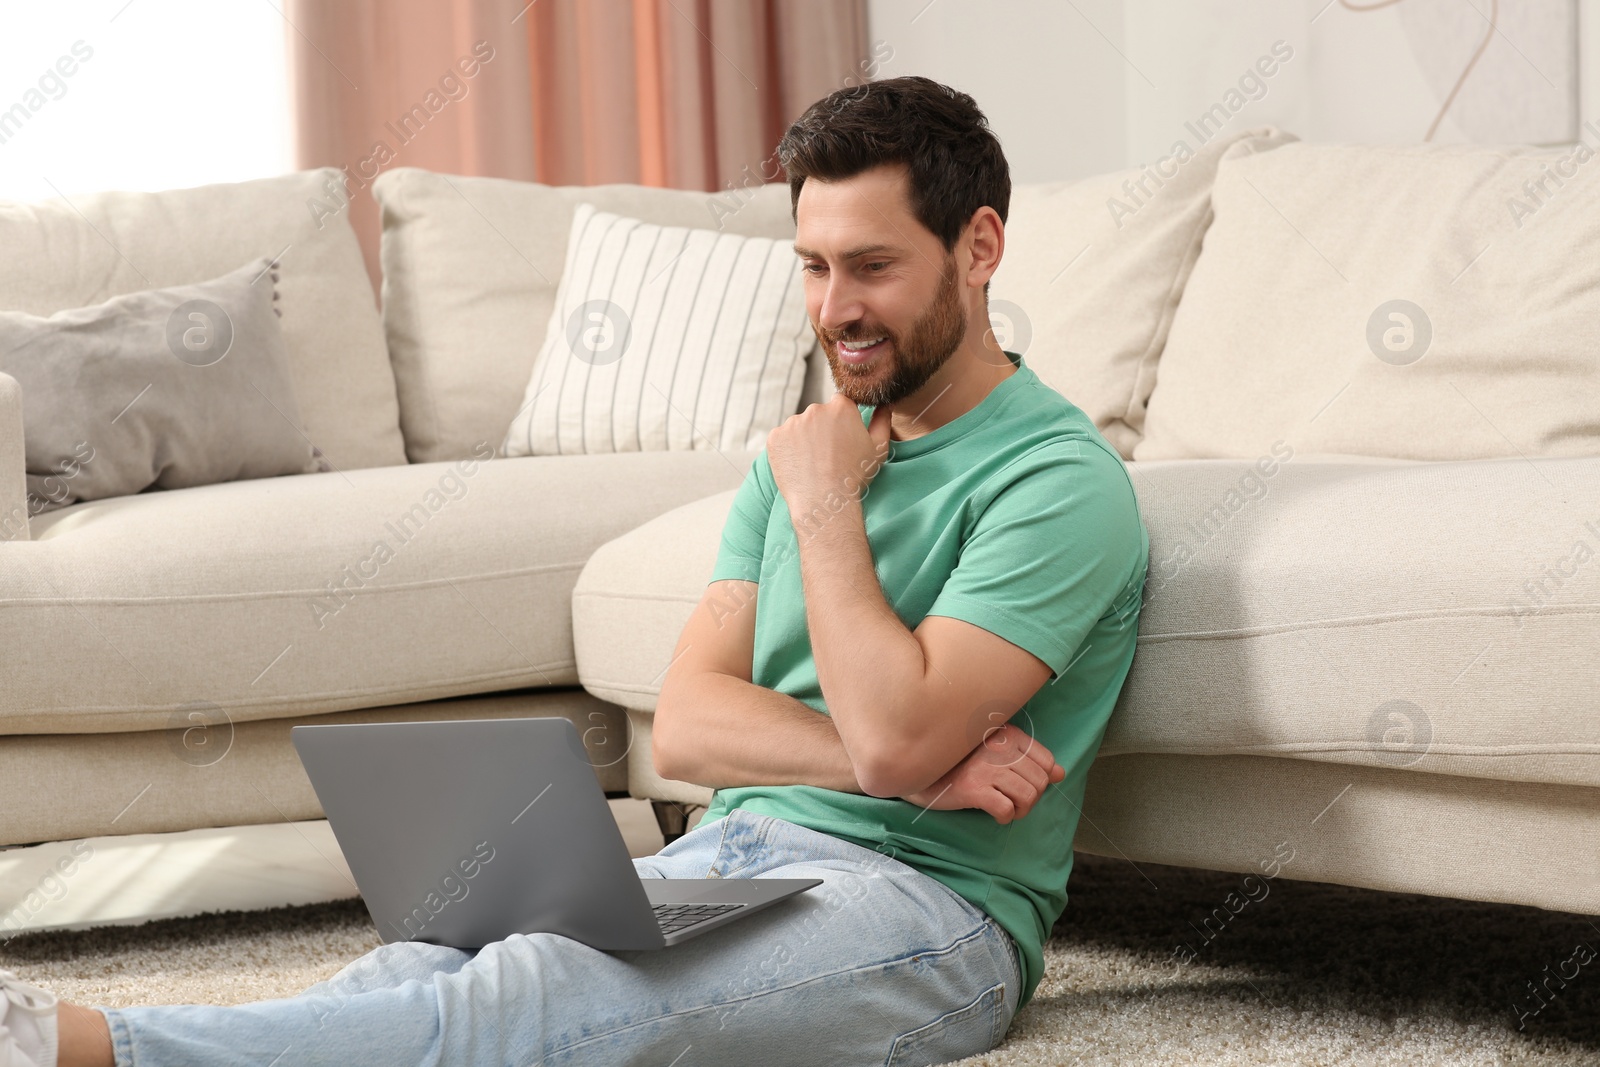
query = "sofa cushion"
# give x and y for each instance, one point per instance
(61, 254)
(1417, 302)
(13, 463)
(164, 388)
(470, 269)
(318, 592)
(665, 337)
(633, 599)
(1433, 616)
(1093, 270)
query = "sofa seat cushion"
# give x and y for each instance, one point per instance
(1430, 616)
(317, 592)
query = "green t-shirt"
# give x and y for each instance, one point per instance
(1017, 517)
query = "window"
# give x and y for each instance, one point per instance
(142, 95)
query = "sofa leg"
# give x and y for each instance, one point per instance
(672, 817)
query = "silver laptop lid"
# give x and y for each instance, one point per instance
(462, 833)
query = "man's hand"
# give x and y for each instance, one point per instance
(1004, 775)
(825, 449)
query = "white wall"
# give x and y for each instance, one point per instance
(1086, 86)
(1047, 73)
(1186, 61)
(1589, 64)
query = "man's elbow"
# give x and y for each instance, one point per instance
(658, 757)
(663, 751)
(891, 771)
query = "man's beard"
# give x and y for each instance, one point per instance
(934, 338)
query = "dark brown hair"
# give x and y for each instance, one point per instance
(955, 160)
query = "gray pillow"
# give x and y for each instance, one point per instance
(159, 389)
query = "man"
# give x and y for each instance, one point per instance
(926, 595)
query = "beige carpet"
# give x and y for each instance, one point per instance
(1309, 974)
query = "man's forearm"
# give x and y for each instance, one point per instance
(730, 732)
(869, 664)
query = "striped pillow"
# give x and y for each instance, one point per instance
(665, 338)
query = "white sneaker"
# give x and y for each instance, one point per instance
(27, 1024)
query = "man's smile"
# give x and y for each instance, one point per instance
(858, 356)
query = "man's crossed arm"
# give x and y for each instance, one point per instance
(714, 727)
(916, 715)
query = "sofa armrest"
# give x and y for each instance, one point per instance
(13, 487)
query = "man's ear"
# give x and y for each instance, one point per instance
(986, 240)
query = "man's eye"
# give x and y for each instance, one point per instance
(877, 265)
(811, 268)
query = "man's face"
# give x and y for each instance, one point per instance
(873, 271)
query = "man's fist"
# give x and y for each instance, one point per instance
(1004, 775)
(825, 452)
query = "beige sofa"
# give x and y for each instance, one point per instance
(1334, 663)
(156, 648)
(1367, 652)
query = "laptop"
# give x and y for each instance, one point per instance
(463, 833)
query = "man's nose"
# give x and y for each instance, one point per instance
(841, 304)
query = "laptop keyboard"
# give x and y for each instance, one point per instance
(675, 917)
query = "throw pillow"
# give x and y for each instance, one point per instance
(1093, 272)
(1416, 302)
(164, 389)
(72, 252)
(470, 270)
(665, 338)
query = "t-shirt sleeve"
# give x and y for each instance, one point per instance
(744, 535)
(1060, 546)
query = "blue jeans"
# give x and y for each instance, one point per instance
(880, 964)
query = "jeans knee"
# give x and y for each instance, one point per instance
(391, 965)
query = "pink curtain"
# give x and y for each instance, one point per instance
(687, 94)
